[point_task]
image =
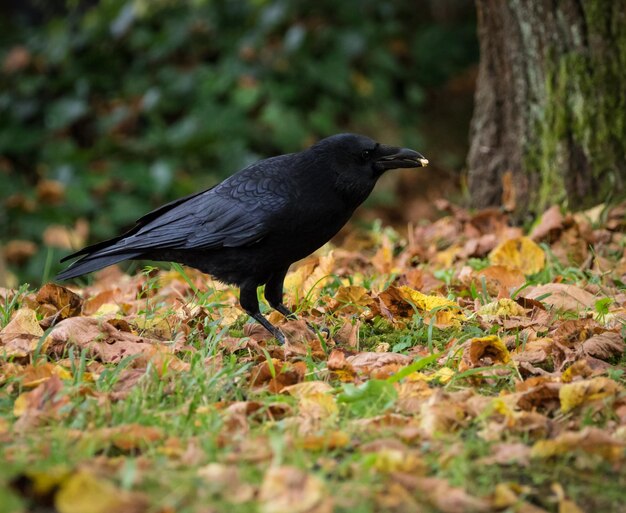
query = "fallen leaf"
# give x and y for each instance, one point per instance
(21, 336)
(367, 361)
(590, 440)
(65, 302)
(42, 404)
(35, 374)
(226, 481)
(323, 442)
(443, 496)
(499, 279)
(584, 392)
(549, 226)
(604, 346)
(291, 490)
(483, 352)
(562, 296)
(504, 307)
(128, 437)
(277, 375)
(519, 253)
(84, 492)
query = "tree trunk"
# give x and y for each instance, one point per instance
(549, 124)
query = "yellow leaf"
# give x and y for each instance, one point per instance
(443, 375)
(308, 388)
(34, 375)
(519, 253)
(24, 322)
(353, 295)
(590, 440)
(503, 307)
(318, 405)
(106, 309)
(20, 405)
(567, 506)
(45, 482)
(577, 393)
(484, 351)
(327, 441)
(390, 460)
(423, 301)
(83, 492)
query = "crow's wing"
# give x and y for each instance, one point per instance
(236, 212)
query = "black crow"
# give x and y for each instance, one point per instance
(248, 229)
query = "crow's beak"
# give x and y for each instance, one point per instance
(402, 157)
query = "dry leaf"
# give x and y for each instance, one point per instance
(22, 335)
(368, 361)
(519, 253)
(504, 307)
(483, 352)
(291, 490)
(65, 302)
(562, 296)
(550, 224)
(584, 392)
(500, 279)
(604, 346)
(591, 440)
(84, 492)
(442, 495)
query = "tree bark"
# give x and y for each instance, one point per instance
(549, 124)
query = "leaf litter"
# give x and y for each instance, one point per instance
(465, 367)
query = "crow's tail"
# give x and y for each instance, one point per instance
(93, 262)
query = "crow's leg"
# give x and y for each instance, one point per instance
(274, 296)
(249, 302)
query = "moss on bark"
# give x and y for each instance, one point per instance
(565, 70)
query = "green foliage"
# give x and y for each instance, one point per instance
(129, 103)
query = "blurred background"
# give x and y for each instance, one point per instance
(110, 108)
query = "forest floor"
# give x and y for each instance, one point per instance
(469, 366)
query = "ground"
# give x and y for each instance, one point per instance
(466, 365)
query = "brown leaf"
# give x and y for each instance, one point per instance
(483, 352)
(544, 395)
(562, 296)
(348, 334)
(366, 361)
(59, 236)
(550, 224)
(226, 481)
(291, 490)
(128, 437)
(604, 346)
(591, 440)
(277, 375)
(508, 454)
(41, 404)
(108, 344)
(16, 59)
(65, 302)
(17, 252)
(500, 280)
(108, 296)
(50, 192)
(442, 495)
(21, 336)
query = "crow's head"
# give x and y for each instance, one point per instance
(358, 161)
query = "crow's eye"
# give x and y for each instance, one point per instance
(365, 154)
